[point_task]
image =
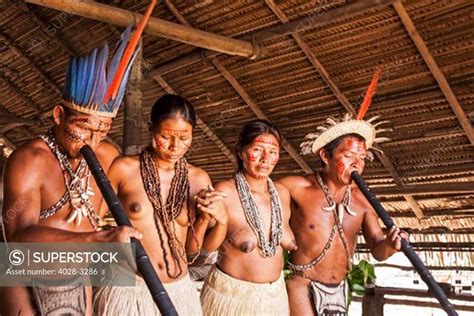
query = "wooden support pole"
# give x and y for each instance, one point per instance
(109, 14)
(372, 304)
(132, 123)
(464, 121)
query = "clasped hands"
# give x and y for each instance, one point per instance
(211, 204)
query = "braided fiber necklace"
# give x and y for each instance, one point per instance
(254, 218)
(166, 213)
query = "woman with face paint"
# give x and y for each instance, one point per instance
(156, 189)
(248, 277)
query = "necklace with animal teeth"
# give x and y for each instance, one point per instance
(342, 207)
(77, 186)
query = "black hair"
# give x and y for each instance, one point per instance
(171, 106)
(249, 132)
(70, 112)
(330, 147)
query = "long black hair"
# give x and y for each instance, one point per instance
(249, 132)
(171, 106)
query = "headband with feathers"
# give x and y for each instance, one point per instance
(94, 87)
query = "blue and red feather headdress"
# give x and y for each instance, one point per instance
(96, 87)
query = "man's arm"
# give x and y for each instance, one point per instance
(22, 202)
(381, 246)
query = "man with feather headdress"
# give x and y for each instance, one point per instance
(328, 212)
(60, 200)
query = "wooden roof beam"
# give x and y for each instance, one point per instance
(243, 94)
(8, 117)
(25, 98)
(258, 112)
(314, 19)
(309, 21)
(341, 97)
(200, 123)
(54, 36)
(157, 27)
(31, 65)
(7, 141)
(443, 84)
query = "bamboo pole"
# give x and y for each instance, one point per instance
(109, 14)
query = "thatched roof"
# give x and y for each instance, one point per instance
(423, 47)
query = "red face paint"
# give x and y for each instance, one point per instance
(261, 156)
(347, 157)
(175, 132)
(172, 138)
(267, 140)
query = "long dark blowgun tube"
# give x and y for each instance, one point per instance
(407, 249)
(153, 282)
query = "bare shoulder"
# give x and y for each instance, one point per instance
(281, 188)
(293, 182)
(106, 149)
(226, 186)
(125, 164)
(197, 173)
(360, 199)
(32, 156)
(106, 153)
(198, 178)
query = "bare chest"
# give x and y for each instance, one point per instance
(240, 233)
(55, 200)
(143, 207)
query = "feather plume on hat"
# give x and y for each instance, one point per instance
(333, 128)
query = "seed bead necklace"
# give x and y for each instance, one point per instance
(254, 218)
(165, 214)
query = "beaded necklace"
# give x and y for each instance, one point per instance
(164, 214)
(254, 218)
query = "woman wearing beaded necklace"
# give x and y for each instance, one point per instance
(248, 278)
(156, 190)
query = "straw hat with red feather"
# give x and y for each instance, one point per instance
(334, 128)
